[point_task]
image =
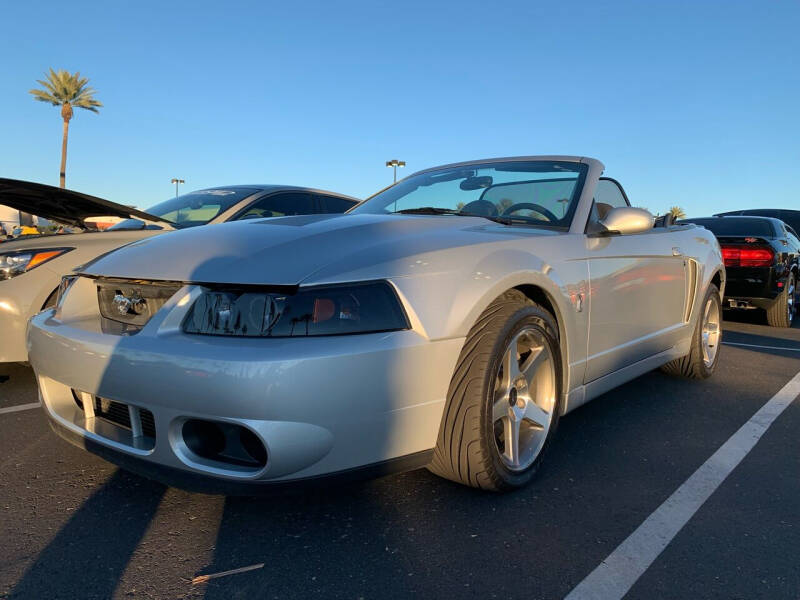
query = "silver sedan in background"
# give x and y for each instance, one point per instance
(449, 322)
(31, 267)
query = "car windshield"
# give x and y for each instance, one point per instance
(539, 193)
(735, 226)
(190, 210)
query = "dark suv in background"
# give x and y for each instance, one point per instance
(761, 257)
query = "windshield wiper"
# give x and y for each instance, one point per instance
(426, 210)
(433, 210)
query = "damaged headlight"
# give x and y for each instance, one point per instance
(324, 310)
(22, 261)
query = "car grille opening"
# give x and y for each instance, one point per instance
(115, 412)
(226, 443)
(134, 419)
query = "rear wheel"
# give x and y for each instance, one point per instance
(706, 340)
(781, 313)
(504, 398)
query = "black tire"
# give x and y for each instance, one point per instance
(692, 365)
(778, 315)
(466, 451)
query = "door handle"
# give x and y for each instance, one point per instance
(677, 252)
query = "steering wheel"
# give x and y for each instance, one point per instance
(531, 206)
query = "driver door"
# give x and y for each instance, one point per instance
(638, 291)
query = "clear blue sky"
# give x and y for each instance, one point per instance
(689, 103)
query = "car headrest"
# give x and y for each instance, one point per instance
(483, 208)
(602, 209)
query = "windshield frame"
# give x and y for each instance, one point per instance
(577, 165)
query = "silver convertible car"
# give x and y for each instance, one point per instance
(449, 322)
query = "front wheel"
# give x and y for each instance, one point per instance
(781, 313)
(504, 398)
(703, 357)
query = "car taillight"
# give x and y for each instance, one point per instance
(743, 256)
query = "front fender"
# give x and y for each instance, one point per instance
(446, 305)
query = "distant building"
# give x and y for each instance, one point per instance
(102, 222)
(11, 217)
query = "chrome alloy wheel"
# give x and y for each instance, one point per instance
(790, 307)
(711, 331)
(524, 399)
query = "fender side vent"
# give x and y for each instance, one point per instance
(691, 288)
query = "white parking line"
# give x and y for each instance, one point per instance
(765, 347)
(622, 568)
(19, 407)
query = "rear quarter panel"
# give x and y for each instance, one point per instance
(700, 245)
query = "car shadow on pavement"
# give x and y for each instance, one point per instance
(355, 540)
(764, 345)
(91, 551)
(613, 462)
(752, 317)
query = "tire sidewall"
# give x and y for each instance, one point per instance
(525, 317)
(712, 293)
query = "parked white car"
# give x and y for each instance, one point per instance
(31, 267)
(448, 322)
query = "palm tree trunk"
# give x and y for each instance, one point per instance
(63, 173)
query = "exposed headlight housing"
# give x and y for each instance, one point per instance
(63, 288)
(22, 261)
(317, 311)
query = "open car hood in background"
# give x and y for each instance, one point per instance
(65, 206)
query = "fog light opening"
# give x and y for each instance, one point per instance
(253, 446)
(226, 443)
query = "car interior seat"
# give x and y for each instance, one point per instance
(664, 220)
(602, 209)
(483, 208)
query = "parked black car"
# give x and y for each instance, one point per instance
(761, 257)
(790, 217)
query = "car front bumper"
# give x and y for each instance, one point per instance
(319, 406)
(21, 297)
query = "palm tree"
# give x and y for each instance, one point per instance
(67, 90)
(677, 213)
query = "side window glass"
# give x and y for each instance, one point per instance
(792, 235)
(607, 195)
(279, 205)
(332, 204)
(608, 192)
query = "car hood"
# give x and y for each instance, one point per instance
(301, 249)
(64, 206)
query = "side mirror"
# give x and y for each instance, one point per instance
(625, 220)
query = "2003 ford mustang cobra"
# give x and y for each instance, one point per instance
(447, 322)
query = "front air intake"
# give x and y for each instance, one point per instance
(226, 443)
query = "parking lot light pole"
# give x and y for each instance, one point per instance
(394, 163)
(177, 182)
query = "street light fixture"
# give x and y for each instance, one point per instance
(394, 163)
(177, 182)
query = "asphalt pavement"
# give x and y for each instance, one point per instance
(74, 526)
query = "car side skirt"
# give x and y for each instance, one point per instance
(584, 393)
